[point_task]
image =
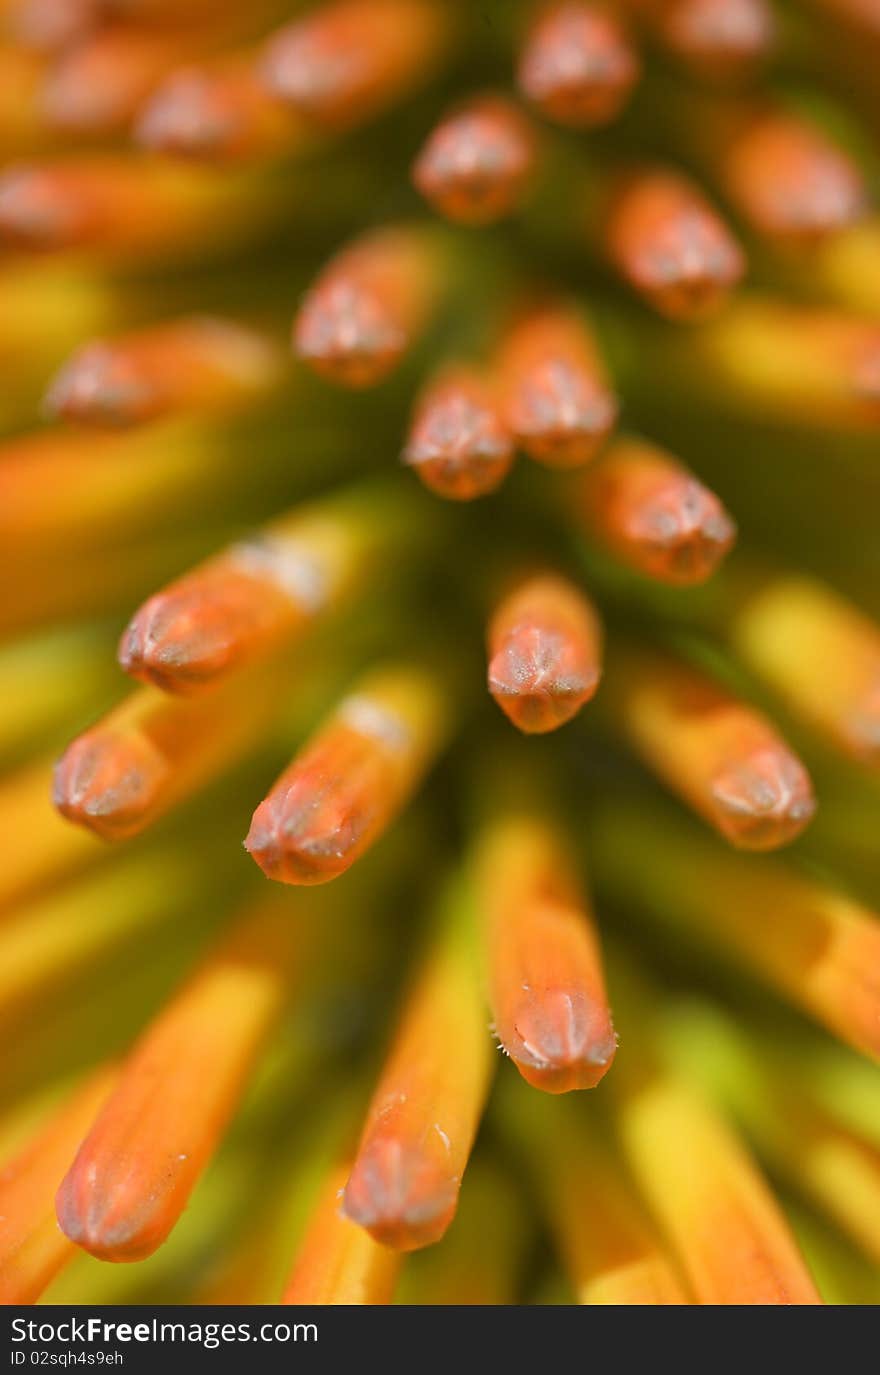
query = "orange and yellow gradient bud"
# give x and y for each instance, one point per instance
(476, 165)
(367, 306)
(151, 752)
(546, 984)
(251, 598)
(716, 39)
(789, 182)
(653, 514)
(217, 112)
(556, 398)
(722, 756)
(115, 205)
(457, 443)
(137, 1166)
(200, 364)
(544, 652)
(95, 85)
(420, 1126)
(347, 60)
(670, 244)
(351, 779)
(577, 64)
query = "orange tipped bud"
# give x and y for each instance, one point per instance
(654, 515)
(823, 658)
(350, 780)
(667, 241)
(52, 24)
(477, 163)
(366, 307)
(111, 783)
(98, 84)
(201, 364)
(137, 1166)
(578, 64)
(555, 396)
(48, 208)
(214, 113)
(337, 1262)
(547, 988)
(111, 203)
(219, 616)
(348, 59)
(457, 442)
(788, 181)
(544, 646)
(421, 1123)
(717, 38)
(246, 600)
(152, 751)
(723, 757)
(32, 1250)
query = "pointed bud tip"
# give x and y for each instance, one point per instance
(189, 116)
(685, 530)
(185, 637)
(539, 679)
(403, 1196)
(313, 69)
(101, 385)
(560, 415)
(792, 182)
(39, 211)
(689, 267)
(300, 837)
(346, 334)
(49, 25)
(109, 782)
(475, 165)
(561, 1041)
(723, 34)
(577, 65)
(109, 1219)
(766, 800)
(458, 444)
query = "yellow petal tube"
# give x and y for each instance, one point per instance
(718, 1213)
(817, 946)
(137, 1166)
(612, 1252)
